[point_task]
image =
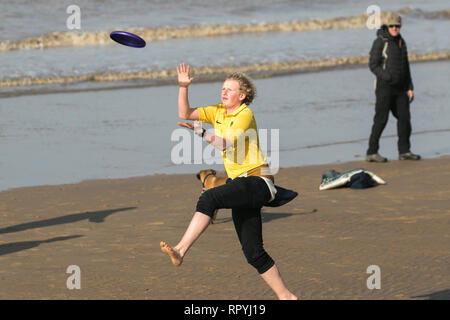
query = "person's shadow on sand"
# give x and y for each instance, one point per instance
(96, 217)
(439, 295)
(8, 248)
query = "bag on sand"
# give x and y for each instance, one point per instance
(355, 179)
(360, 181)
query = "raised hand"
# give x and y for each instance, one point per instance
(184, 80)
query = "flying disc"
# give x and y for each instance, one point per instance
(128, 39)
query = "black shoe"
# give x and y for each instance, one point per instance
(408, 156)
(375, 158)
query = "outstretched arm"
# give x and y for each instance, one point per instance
(242, 124)
(218, 142)
(184, 80)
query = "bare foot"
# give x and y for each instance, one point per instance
(173, 254)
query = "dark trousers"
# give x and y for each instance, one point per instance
(245, 197)
(398, 103)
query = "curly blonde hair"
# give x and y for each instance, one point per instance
(246, 86)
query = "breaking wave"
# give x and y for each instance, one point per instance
(213, 73)
(93, 38)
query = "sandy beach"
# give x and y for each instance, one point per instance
(95, 172)
(323, 241)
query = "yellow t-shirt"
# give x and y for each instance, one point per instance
(239, 127)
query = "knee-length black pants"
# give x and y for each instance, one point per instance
(245, 197)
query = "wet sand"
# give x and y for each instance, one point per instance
(53, 139)
(322, 242)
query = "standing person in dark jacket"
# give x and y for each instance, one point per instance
(393, 90)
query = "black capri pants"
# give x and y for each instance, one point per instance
(245, 196)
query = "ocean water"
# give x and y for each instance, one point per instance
(26, 18)
(216, 51)
(62, 121)
(36, 46)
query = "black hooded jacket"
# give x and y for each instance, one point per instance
(392, 71)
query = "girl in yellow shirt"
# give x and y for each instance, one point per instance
(251, 184)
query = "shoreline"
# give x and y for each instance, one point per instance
(220, 172)
(159, 78)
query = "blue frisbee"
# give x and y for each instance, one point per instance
(127, 39)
